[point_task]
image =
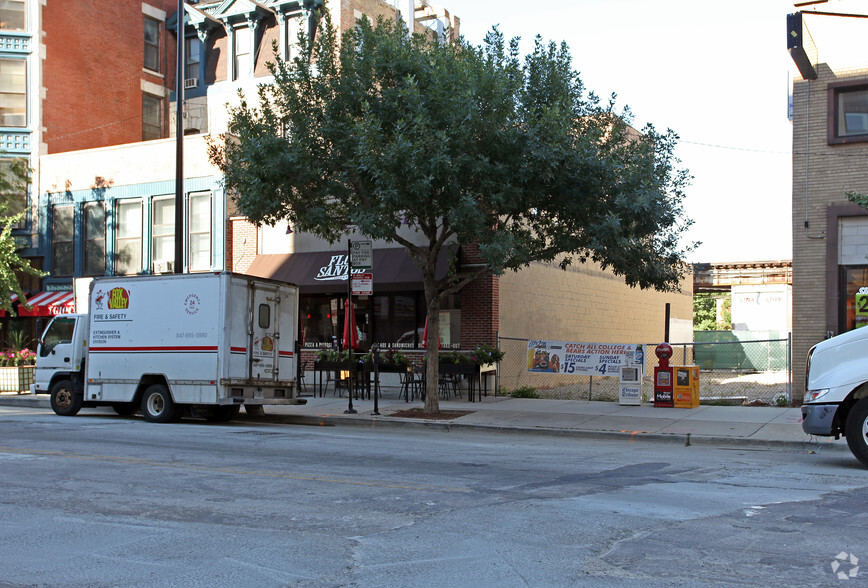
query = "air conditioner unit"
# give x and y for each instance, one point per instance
(163, 267)
(191, 83)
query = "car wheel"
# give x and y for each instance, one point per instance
(64, 400)
(857, 430)
(158, 406)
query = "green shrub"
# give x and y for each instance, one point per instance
(524, 392)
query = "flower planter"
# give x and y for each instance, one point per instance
(16, 379)
(459, 368)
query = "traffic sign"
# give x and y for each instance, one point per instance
(363, 284)
(362, 254)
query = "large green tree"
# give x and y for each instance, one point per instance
(465, 144)
(14, 180)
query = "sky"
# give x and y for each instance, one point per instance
(716, 73)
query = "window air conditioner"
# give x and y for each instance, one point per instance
(191, 83)
(163, 267)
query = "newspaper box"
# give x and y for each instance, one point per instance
(630, 389)
(686, 386)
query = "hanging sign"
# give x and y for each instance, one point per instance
(585, 359)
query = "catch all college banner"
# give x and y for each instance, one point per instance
(584, 359)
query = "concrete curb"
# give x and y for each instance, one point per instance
(633, 436)
(367, 420)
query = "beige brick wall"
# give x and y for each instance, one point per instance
(585, 304)
(822, 173)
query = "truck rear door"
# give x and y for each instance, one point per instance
(265, 333)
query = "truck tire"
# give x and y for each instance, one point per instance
(64, 400)
(857, 430)
(158, 406)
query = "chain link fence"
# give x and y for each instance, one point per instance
(731, 372)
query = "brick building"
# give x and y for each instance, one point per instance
(830, 234)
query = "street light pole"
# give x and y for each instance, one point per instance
(179, 143)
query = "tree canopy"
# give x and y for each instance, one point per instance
(13, 184)
(468, 145)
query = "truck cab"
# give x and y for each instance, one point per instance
(60, 359)
(836, 399)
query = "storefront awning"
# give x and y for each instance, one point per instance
(48, 304)
(325, 272)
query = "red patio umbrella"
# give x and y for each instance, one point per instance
(351, 334)
(425, 337)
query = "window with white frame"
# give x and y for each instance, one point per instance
(163, 231)
(94, 239)
(128, 239)
(192, 58)
(152, 44)
(14, 200)
(243, 58)
(13, 15)
(200, 232)
(13, 93)
(293, 24)
(62, 254)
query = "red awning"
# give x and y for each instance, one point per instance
(48, 304)
(14, 298)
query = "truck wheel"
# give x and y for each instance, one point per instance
(857, 430)
(124, 408)
(64, 400)
(222, 414)
(158, 406)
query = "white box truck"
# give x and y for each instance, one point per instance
(202, 344)
(836, 399)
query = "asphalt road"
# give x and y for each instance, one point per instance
(101, 500)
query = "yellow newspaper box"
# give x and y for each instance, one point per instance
(685, 393)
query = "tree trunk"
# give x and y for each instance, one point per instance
(432, 364)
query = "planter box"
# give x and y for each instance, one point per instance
(16, 379)
(459, 368)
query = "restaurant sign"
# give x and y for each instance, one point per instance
(584, 359)
(336, 269)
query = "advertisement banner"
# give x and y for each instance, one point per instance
(584, 359)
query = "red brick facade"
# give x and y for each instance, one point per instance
(93, 69)
(480, 305)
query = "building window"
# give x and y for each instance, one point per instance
(193, 59)
(62, 255)
(200, 232)
(94, 239)
(163, 233)
(128, 242)
(854, 285)
(292, 27)
(15, 198)
(152, 117)
(12, 15)
(13, 93)
(152, 44)
(243, 59)
(848, 112)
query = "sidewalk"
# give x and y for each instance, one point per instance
(707, 425)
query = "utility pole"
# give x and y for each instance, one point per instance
(178, 266)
